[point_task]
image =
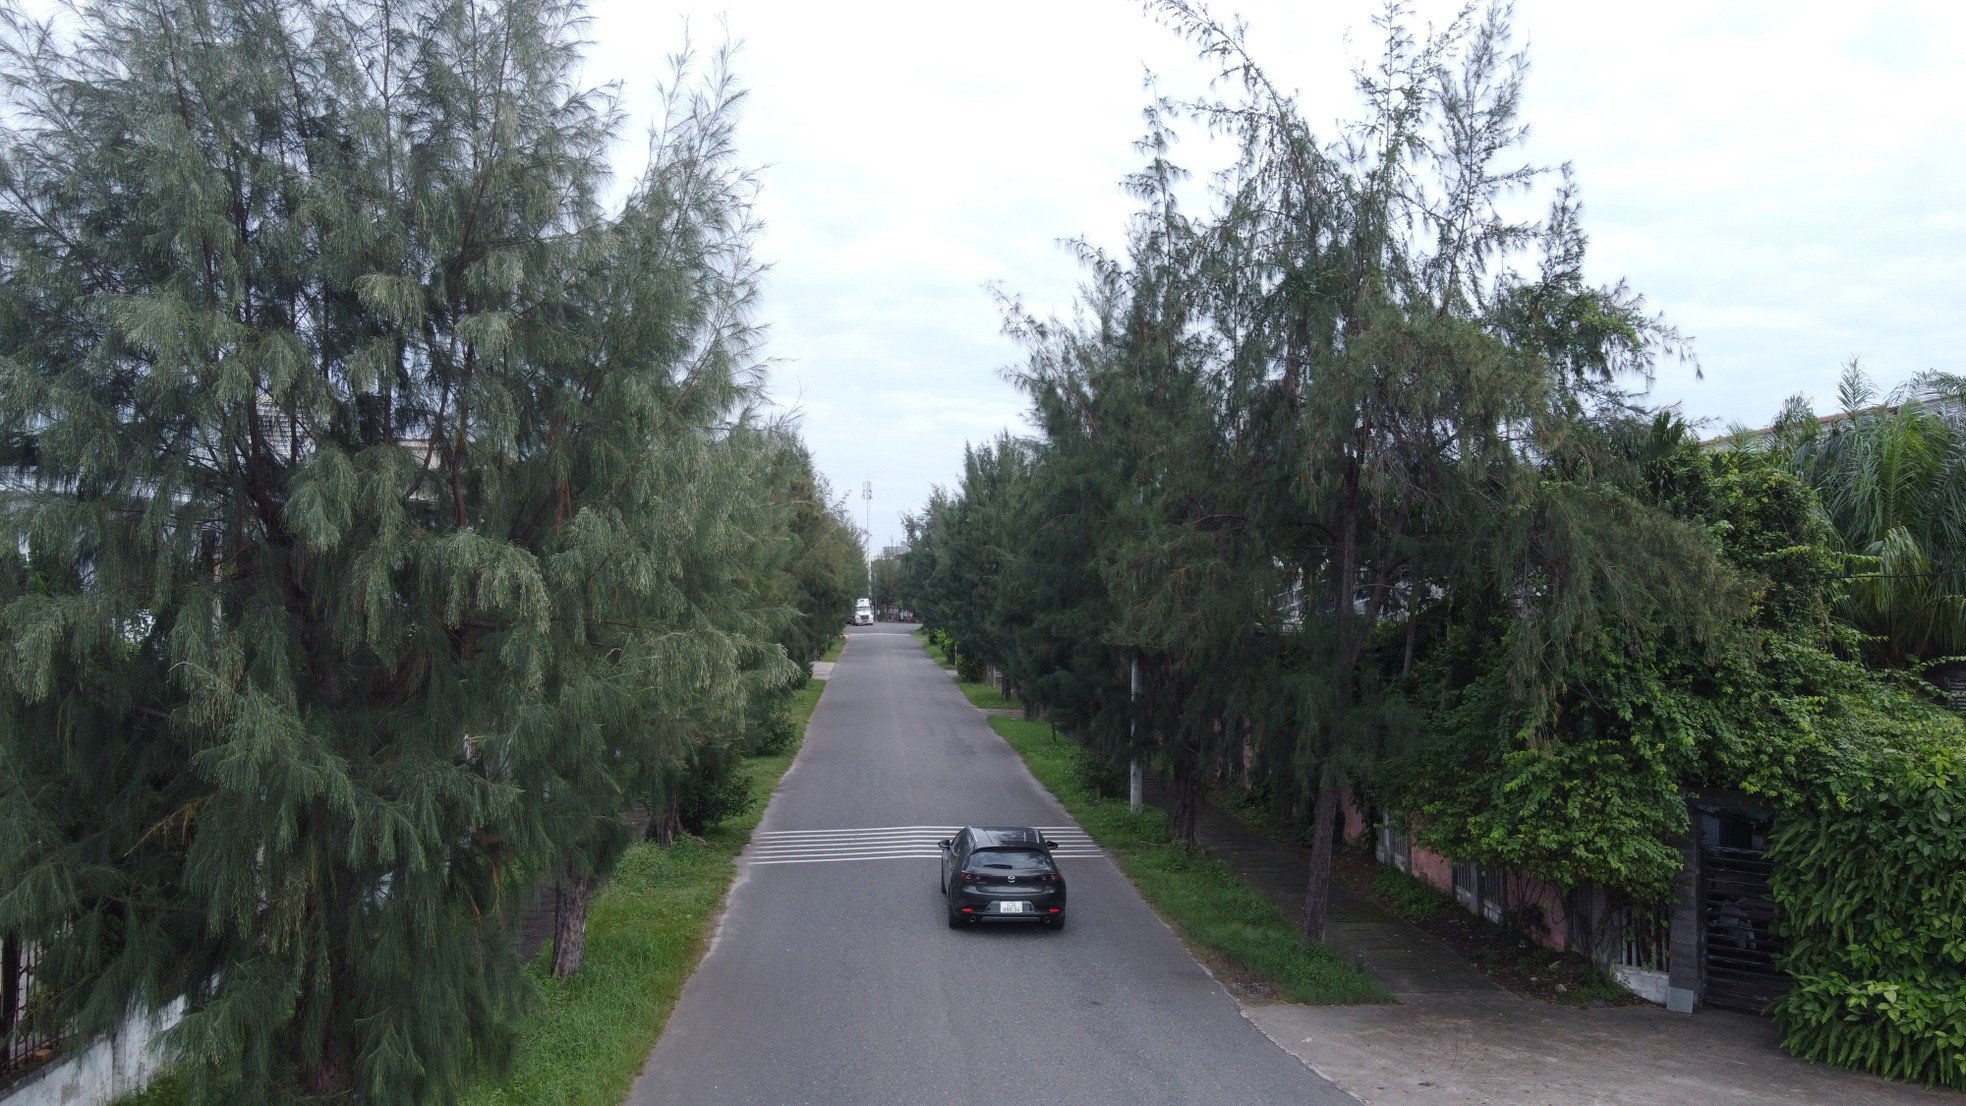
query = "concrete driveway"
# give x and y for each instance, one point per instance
(1455, 1037)
(1452, 1049)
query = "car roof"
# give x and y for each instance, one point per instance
(987, 837)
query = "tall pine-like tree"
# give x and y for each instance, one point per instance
(1414, 387)
(387, 517)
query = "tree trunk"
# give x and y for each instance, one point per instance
(667, 824)
(333, 1072)
(1184, 804)
(324, 1058)
(10, 996)
(1588, 918)
(1317, 888)
(1248, 753)
(570, 926)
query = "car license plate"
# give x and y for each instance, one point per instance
(1010, 908)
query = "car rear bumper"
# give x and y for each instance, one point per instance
(991, 910)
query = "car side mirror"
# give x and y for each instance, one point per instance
(944, 843)
(1051, 844)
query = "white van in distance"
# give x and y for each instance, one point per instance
(863, 613)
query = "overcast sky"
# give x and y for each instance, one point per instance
(1787, 183)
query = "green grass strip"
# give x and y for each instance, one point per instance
(1200, 897)
(586, 1037)
(986, 696)
(935, 650)
(589, 1034)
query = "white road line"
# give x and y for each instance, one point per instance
(762, 862)
(825, 846)
(852, 853)
(837, 839)
(836, 843)
(905, 829)
(849, 854)
(879, 842)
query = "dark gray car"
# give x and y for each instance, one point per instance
(1001, 874)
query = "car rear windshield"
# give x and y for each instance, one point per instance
(1016, 861)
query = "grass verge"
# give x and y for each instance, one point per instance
(984, 695)
(935, 651)
(588, 1035)
(832, 652)
(585, 1037)
(1235, 928)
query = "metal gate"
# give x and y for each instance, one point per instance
(1738, 916)
(20, 1050)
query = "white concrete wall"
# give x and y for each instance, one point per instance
(107, 1069)
(1649, 985)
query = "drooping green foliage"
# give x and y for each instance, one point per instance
(1284, 436)
(887, 582)
(1586, 782)
(1151, 420)
(963, 546)
(826, 567)
(384, 515)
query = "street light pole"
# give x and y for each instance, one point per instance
(867, 497)
(1135, 780)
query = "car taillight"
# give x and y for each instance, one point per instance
(970, 877)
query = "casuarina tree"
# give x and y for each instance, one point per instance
(376, 524)
(1408, 362)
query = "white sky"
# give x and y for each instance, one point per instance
(1786, 182)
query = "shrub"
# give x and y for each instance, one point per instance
(718, 789)
(1870, 877)
(1099, 775)
(1408, 897)
(1525, 924)
(970, 669)
(775, 733)
(941, 647)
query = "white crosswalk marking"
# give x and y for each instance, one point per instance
(885, 843)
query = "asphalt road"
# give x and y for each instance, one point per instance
(834, 980)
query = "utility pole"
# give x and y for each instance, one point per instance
(867, 497)
(1135, 784)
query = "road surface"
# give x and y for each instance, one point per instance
(834, 980)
